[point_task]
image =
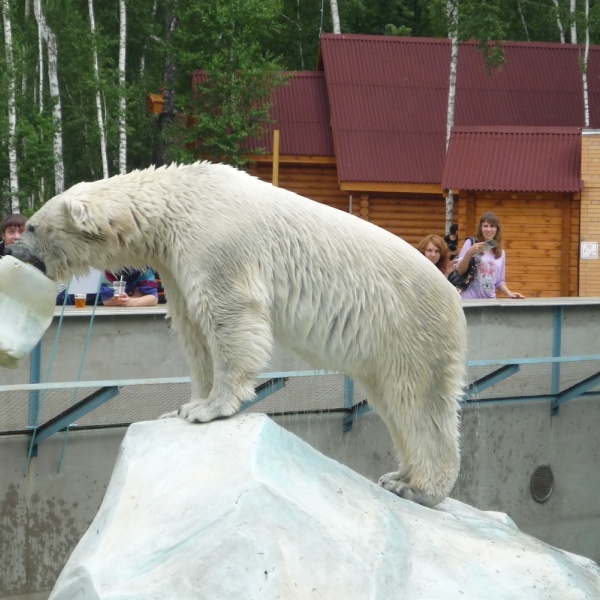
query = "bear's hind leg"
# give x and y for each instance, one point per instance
(425, 434)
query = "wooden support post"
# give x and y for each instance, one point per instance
(276, 158)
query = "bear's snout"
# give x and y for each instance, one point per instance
(20, 252)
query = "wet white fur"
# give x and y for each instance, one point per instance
(244, 262)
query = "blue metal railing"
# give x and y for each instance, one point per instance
(105, 390)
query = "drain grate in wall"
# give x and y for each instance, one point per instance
(542, 483)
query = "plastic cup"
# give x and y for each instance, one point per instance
(79, 300)
(119, 287)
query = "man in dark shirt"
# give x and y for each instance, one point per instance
(452, 241)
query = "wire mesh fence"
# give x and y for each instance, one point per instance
(23, 407)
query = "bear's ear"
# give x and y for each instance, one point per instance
(79, 215)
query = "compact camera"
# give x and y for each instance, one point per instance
(489, 245)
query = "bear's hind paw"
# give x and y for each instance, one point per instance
(402, 489)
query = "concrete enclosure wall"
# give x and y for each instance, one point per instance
(44, 511)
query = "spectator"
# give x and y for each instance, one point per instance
(435, 249)
(162, 298)
(140, 288)
(11, 228)
(452, 241)
(490, 260)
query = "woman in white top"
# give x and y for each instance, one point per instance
(490, 259)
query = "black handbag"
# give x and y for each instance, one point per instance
(461, 282)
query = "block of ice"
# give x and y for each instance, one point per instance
(241, 508)
(27, 299)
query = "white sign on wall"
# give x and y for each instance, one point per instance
(589, 250)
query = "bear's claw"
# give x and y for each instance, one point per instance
(199, 412)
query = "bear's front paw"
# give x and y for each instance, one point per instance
(199, 412)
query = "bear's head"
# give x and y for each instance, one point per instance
(76, 230)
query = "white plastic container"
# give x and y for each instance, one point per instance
(27, 299)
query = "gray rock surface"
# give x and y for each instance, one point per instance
(243, 509)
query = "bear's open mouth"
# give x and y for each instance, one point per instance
(38, 264)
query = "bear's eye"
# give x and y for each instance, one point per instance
(31, 228)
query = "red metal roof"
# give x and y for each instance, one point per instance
(301, 113)
(388, 98)
(529, 159)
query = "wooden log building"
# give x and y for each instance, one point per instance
(366, 133)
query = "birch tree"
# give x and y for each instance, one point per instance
(452, 16)
(99, 106)
(561, 30)
(584, 69)
(167, 117)
(335, 16)
(522, 18)
(573, 15)
(12, 108)
(40, 99)
(122, 90)
(143, 58)
(52, 49)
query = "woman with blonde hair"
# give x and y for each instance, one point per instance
(436, 250)
(490, 260)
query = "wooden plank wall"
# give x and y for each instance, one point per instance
(315, 181)
(411, 218)
(540, 237)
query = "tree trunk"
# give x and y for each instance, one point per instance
(522, 17)
(584, 69)
(335, 16)
(12, 109)
(559, 24)
(143, 59)
(452, 13)
(167, 117)
(40, 101)
(123, 91)
(50, 39)
(573, 11)
(99, 111)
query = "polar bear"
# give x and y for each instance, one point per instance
(244, 263)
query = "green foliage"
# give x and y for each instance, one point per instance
(296, 31)
(242, 45)
(478, 20)
(228, 41)
(385, 17)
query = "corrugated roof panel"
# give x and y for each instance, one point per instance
(399, 86)
(388, 107)
(528, 159)
(301, 112)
